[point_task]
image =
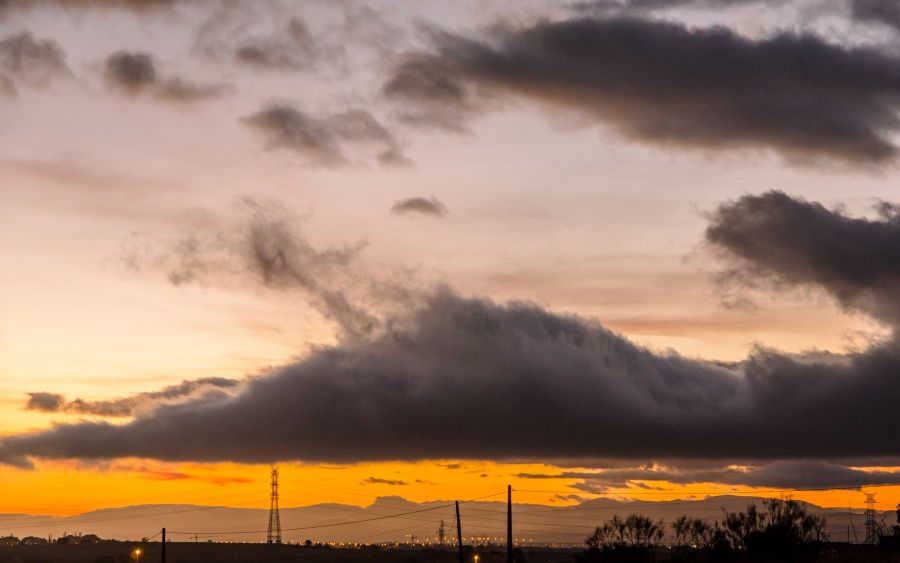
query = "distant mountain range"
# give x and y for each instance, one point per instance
(394, 519)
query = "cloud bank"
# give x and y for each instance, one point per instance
(666, 84)
(453, 377)
(516, 382)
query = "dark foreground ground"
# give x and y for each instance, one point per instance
(190, 552)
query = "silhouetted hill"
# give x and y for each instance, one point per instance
(390, 519)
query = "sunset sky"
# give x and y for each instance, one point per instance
(634, 248)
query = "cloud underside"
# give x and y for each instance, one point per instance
(666, 84)
(452, 377)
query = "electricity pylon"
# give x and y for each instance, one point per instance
(873, 530)
(274, 535)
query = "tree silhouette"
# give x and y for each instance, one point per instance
(692, 538)
(781, 531)
(630, 540)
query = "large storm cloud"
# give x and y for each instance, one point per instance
(455, 377)
(668, 84)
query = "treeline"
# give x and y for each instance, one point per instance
(781, 530)
(62, 540)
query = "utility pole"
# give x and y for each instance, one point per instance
(162, 558)
(459, 533)
(509, 538)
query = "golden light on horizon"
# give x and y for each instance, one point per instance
(66, 488)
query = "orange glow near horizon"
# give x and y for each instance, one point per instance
(70, 488)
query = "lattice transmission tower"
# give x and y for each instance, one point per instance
(873, 530)
(274, 535)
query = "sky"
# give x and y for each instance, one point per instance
(627, 248)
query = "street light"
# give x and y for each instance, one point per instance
(137, 555)
(476, 559)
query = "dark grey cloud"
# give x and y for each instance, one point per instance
(132, 72)
(35, 62)
(135, 74)
(44, 402)
(319, 139)
(783, 241)
(667, 84)
(125, 406)
(420, 206)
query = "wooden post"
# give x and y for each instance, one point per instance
(509, 538)
(459, 533)
(162, 558)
